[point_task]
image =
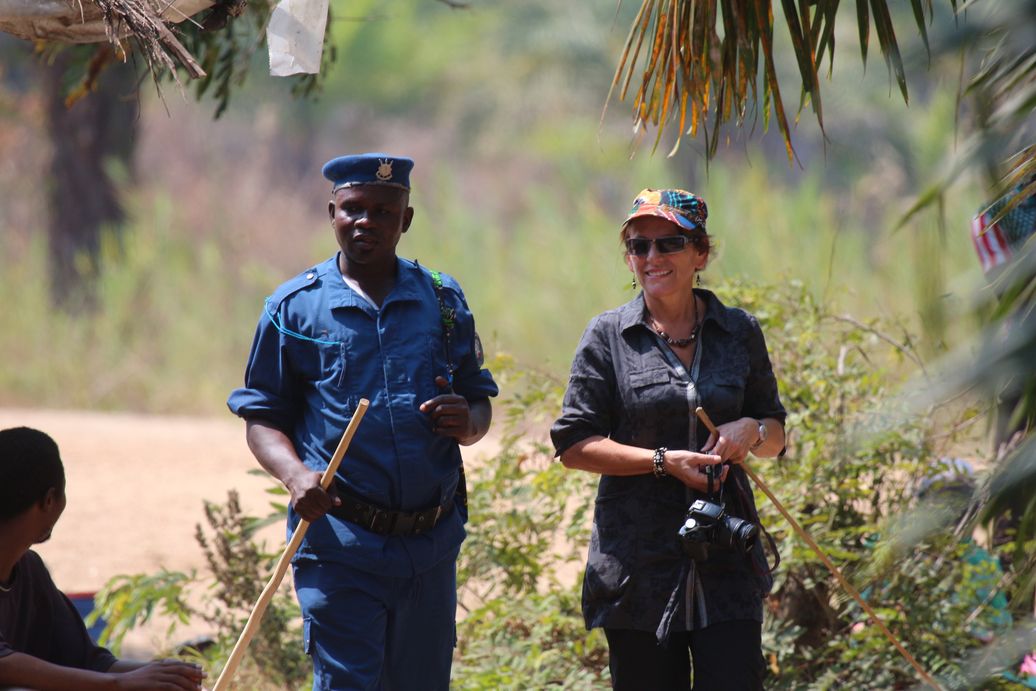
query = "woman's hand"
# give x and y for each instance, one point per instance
(734, 441)
(689, 468)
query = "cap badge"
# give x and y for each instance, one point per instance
(384, 170)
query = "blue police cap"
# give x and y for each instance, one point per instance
(368, 169)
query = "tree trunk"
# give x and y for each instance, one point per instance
(90, 139)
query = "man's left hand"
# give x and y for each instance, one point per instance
(450, 413)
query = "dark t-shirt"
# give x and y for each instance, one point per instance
(37, 619)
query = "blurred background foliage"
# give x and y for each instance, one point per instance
(519, 188)
(521, 180)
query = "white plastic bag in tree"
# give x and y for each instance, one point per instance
(295, 36)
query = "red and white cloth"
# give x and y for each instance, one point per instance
(990, 244)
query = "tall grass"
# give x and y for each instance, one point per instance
(165, 335)
(176, 306)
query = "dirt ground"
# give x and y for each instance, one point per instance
(136, 487)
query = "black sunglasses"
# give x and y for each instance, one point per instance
(639, 247)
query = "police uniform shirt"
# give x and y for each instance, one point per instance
(319, 348)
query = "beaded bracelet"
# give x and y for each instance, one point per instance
(658, 462)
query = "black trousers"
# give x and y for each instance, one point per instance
(727, 657)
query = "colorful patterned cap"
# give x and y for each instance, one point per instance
(368, 169)
(685, 209)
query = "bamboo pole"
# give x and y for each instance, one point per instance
(254, 619)
(704, 417)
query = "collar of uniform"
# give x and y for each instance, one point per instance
(409, 282)
(407, 286)
(632, 313)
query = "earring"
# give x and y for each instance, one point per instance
(633, 283)
(697, 279)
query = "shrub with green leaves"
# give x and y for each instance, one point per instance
(857, 453)
(238, 569)
(527, 537)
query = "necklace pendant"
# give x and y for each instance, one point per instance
(678, 342)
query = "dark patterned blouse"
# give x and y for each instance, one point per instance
(626, 384)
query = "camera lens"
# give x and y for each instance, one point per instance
(743, 534)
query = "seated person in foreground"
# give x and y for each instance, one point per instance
(43, 641)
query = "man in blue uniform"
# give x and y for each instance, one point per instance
(376, 578)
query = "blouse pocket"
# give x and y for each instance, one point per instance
(612, 553)
(649, 404)
(724, 393)
(645, 379)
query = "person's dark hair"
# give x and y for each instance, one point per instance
(29, 466)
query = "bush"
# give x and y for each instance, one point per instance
(856, 454)
(239, 568)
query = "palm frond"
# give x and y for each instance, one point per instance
(703, 60)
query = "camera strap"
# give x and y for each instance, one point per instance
(710, 478)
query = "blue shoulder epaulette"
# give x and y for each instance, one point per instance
(284, 291)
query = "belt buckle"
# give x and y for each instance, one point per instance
(426, 520)
(382, 521)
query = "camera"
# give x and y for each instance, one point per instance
(707, 524)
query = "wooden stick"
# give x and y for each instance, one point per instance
(704, 417)
(252, 625)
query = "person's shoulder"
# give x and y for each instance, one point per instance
(31, 559)
(615, 319)
(733, 318)
(308, 279)
(32, 568)
(612, 316)
(434, 277)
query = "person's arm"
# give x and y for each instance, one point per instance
(480, 416)
(276, 454)
(599, 454)
(25, 671)
(740, 437)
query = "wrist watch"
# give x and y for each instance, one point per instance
(762, 436)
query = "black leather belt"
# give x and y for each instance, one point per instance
(387, 521)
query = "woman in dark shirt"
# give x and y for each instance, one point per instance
(638, 375)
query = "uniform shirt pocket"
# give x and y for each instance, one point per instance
(317, 362)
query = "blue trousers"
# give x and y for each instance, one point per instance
(374, 632)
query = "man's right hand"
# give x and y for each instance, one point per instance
(308, 498)
(163, 675)
(276, 453)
